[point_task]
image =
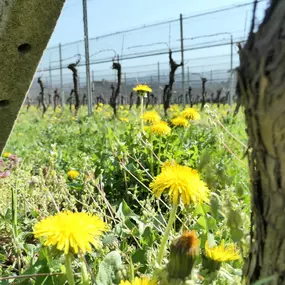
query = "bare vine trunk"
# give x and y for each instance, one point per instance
(190, 96)
(238, 91)
(42, 96)
(69, 100)
(204, 80)
(167, 93)
(218, 99)
(49, 100)
(262, 83)
(138, 103)
(115, 94)
(131, 100)
(73, 68)
(99, 99)
(56, 99)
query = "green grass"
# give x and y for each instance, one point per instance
(116, 163)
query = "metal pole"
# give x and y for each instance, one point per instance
(86, 40)
(182, 59)
(92, 75)
(61, 77)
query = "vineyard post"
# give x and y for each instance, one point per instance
(87, 62)
(61, 77)
(182, 59)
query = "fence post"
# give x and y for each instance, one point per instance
(87, 62)
(182, 59)
(61, 77)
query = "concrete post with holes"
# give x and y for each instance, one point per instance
(25, 30)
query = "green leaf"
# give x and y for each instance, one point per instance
(125, 212)
(40, 266)
(108, 269)
(198, 210)
(236, 234)
(239, 191)
(214, 206)
(140, 257)
(202, 222)
(212, 224)
(148, 237)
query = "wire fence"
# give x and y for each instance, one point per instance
(210, 51)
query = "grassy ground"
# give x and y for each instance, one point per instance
(116, 163)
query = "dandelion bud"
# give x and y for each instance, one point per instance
(183, 253)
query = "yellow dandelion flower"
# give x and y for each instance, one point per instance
(180, 122)
(71, 232)
(142, 88)
(108, 114)
(151, 117)
(100, 104)
(7, 154)
(191, 114)
(99, 109)
(122, 119)
(174, 108)
(73, 174)
(221, 253)
(122, 107)
(160, 129)
(182, 182)
(73, 118)
(139, 281)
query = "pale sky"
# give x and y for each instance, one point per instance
(111, 16)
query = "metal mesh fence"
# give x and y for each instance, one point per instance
(209, 51)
